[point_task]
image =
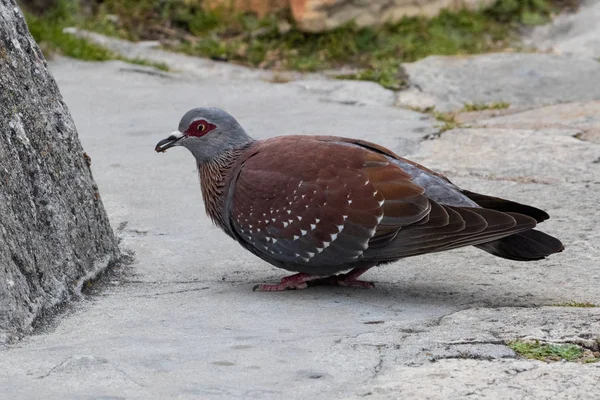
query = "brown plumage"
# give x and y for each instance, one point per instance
(213, 178)
(319, 205)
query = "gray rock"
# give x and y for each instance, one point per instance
(577, 33)
(348, 92)
(521, 79)
(481, 379)
(460, 345)
(582, 118)
(53, 231)
(475, 153)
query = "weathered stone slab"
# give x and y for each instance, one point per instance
(584, 117)
(521, 79)
(503, 154)
(53, 228)
(577, 33)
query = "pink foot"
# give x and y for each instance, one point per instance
(296, 282)
(303, 280)
(347, 280)
(356, 283)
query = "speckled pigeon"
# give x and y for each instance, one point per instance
(322, 205)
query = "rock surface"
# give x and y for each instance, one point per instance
(581, 119)
(53, 228)
(521, 79)
(182, 322)
(574, 34)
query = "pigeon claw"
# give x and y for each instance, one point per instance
(302, 281)
(343, 281)
(278, 287)
(292, 282)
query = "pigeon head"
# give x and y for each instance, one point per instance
(207, 132)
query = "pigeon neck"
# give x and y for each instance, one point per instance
(213, 181)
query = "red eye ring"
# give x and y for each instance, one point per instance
(199, 128)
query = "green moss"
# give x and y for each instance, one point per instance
(490, 106)
(388, 74)
(584, 304)
(550, 352)
(48, 31)
(448, 121)
(425, 110)
(376, 52)
(144, 62)
(527, 12)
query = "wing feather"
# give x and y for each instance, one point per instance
(320, 201)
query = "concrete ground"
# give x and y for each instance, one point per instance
(182, 320)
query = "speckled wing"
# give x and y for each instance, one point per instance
(316, 202)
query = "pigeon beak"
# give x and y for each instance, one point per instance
(169, 142)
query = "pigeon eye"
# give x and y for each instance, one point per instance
(201, 127)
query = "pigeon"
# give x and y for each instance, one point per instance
(329, 208)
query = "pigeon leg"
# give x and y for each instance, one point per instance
(297, 281)
(350, 279)
(301, 281)
(347, 280)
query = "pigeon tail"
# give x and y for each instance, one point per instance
(525, 246)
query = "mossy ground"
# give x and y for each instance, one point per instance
(553, 352)
(48, 32)
(578, 304)
(373, 54)
(501, 105)
(448, 121)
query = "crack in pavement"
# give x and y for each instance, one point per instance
(173, 292)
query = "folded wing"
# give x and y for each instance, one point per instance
(319, 201)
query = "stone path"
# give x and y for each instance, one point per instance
(182, 320)
(521, 79)
(576, 33)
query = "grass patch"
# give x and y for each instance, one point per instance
(584, 304)
(501, 105)
(144, 62)
(275, 43)
(448, 121)
(390, 75)
(552, 352)
(424, 110)
(377, 52)
(278, 77)
(48, 32)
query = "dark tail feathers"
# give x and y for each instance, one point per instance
(525, 246)
(498, 204)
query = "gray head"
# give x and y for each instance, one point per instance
(207, 132)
